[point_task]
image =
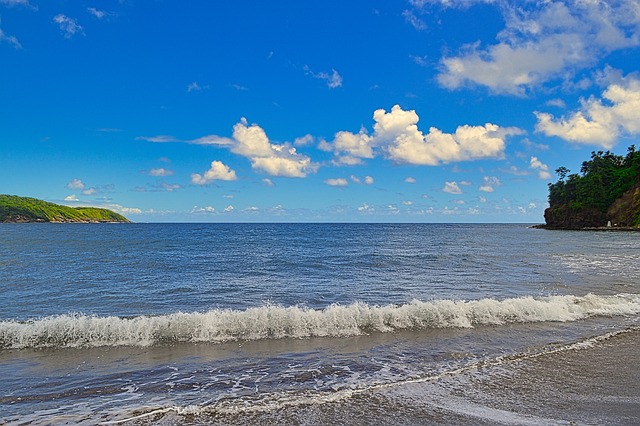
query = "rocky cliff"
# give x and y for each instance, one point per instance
(624, 212)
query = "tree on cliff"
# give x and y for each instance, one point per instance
(602, 180)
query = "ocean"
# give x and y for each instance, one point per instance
(317, 324)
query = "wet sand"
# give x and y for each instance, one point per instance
(595, 385)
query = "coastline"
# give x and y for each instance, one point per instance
(588, 228)
(594, 382)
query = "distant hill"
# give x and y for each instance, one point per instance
(23, 209)
(606, 190)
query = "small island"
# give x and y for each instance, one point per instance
(15, 209)
(605, 195)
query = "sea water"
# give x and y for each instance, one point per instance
(284, 323)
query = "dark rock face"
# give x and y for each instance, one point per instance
(625, 211)
(564, 217)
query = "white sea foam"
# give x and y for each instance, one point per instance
(275, 322)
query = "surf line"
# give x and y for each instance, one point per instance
(289, 401)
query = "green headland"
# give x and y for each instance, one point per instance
(24, 209)
(606, 194)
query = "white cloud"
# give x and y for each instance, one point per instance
(229, 209)
(336, 182)
(268, 182)
(68, 26)
(540, 167)
(365, 208)
(207, 209)
(409, 179)
(355, 179)
(407, 203)
(556, 103)
(15, 2)
(368, 180)
(599, 122)
(304, 140)
(71, 197)
(12, 40)
(170, 187)
(451, 188)
(332, 80)
(126, 210)
(354, 145)
(251, 141)
(396, 133)
(276, 160)
(158, 139)
(160, 172)
(532, 205)
(218, 171)
(75, 184)
(193, 87)
(89, 191)
(100, 14)
(542, 41)
(489, 183)
(416, 22)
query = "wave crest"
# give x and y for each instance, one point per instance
(276, 322)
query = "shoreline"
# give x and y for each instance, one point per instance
(590, 383)
(588, 228)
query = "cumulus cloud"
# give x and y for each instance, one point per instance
(160, 172)
(397, 135)
(71, 197)
(336, 182)
(89, 191)
(540, 167)
(218, 171)
(68, 26)
(268, 182)
(304, 140)
(368, 180)
(451, 188)
(410, 179)
(542, 41)
(599, 122)
(75, 184)
(229, 209)
(252, 142)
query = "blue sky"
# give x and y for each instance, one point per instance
(367, 111)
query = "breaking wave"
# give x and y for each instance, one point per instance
(277, 322)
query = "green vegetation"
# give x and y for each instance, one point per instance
(24, 209)
(603, 181)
